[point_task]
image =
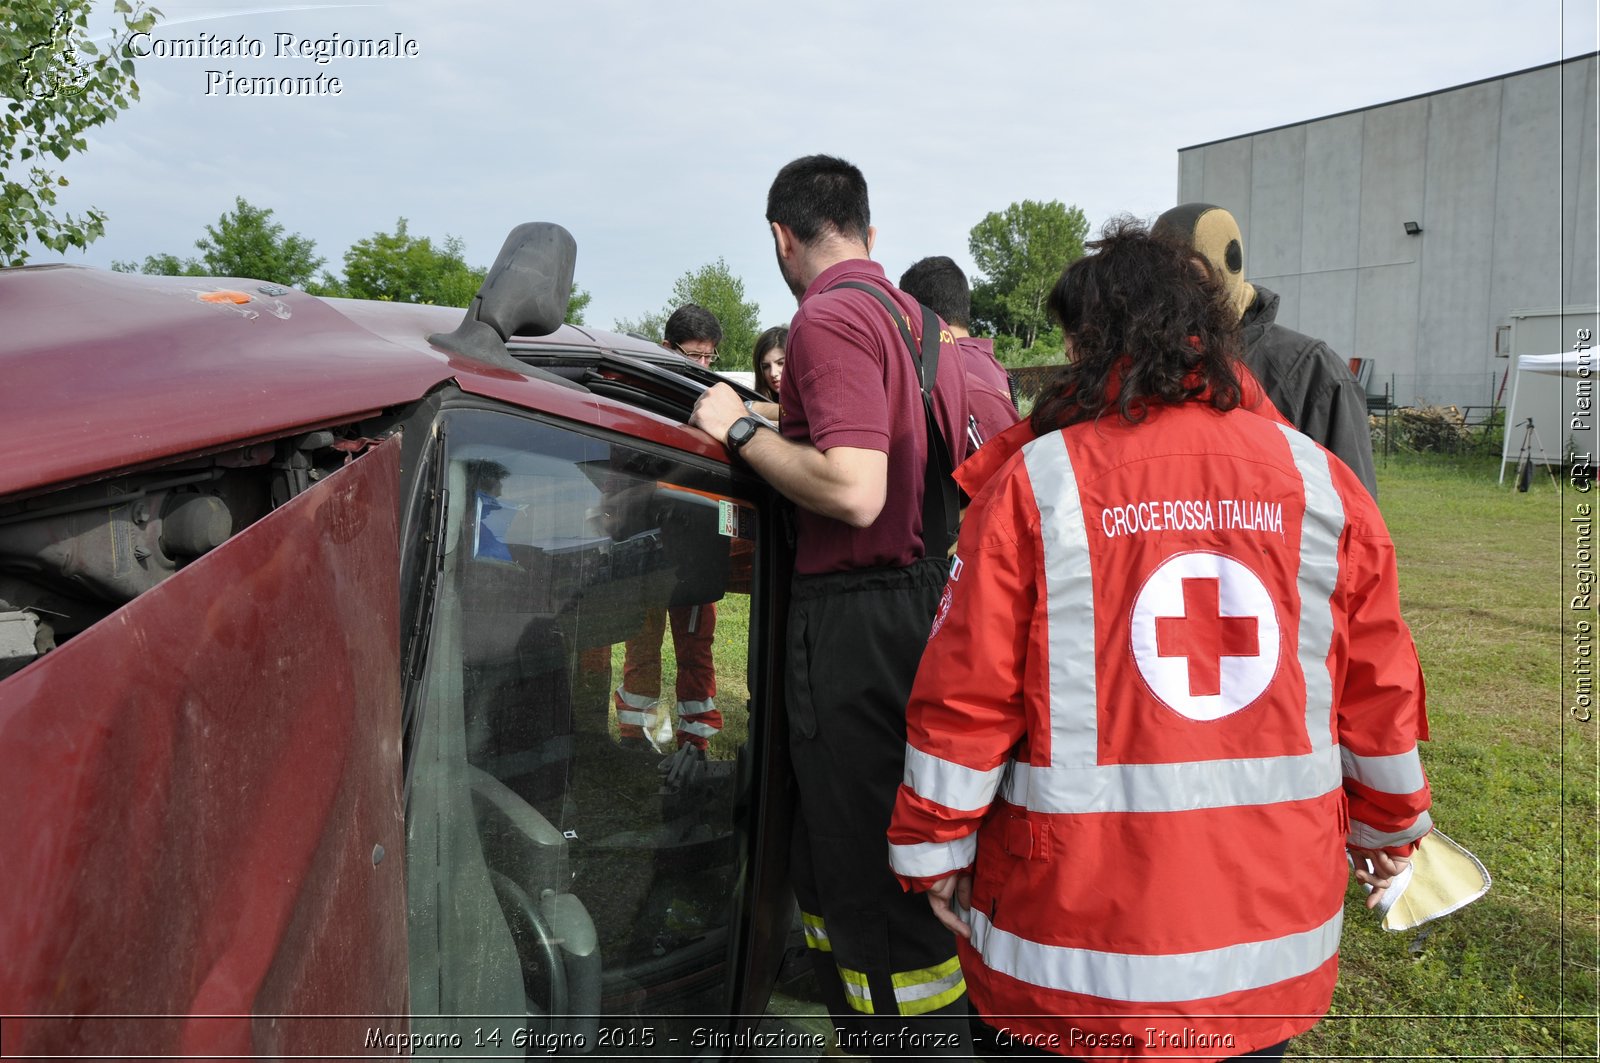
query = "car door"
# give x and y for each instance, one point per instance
(577, 879)
(202, 792)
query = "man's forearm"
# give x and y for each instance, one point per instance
(839, 483)
(848, 484)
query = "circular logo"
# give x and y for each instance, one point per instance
(1205, 635)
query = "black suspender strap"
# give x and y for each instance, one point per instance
(941, 507)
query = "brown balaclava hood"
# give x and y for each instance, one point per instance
(1212, 232)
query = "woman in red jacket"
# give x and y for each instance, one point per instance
(1167, 687)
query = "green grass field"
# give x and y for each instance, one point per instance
(1514, 780)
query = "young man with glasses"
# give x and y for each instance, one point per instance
(694, 332)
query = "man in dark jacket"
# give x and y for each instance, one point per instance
(1310, 385)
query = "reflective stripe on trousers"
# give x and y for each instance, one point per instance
(916, 992)
(816, 932)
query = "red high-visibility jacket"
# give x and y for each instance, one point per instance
(1167, 684)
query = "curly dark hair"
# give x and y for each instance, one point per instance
(1146, 324)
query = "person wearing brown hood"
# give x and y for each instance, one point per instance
(1309, 384)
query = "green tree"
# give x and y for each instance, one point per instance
(398, 267)
(577, 304)
(56, 83)
(162, 265)
(1047, 349)
(246, 243)
(1021, 252)
(714, 287)
(650, 326)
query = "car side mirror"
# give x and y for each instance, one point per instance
(524, 293)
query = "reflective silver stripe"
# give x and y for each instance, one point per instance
(1174, 787)
(696, 708)
(1163, 979)
(1320, 529)
(1397, 774)
(702, 730)
(636, 709)
(816, 932)
(1074, 783)
(947, 783)
(856, 991)
(1365, 837)
(919, 992)
(1069, 603)
(930, 859)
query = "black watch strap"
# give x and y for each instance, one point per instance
(741, 432)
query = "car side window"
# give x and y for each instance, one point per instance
(573, 770)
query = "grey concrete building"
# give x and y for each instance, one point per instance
(1415, 233)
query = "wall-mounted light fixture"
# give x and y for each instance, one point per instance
(1413, 229)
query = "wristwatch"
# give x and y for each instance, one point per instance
(741, 431)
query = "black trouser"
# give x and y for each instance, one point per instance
(887, 967)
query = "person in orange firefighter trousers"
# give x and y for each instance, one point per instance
(1167, 687)
(693, 332)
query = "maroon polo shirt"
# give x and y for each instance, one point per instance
(988, 387)
(850, 382)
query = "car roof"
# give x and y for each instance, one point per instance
(106, 371)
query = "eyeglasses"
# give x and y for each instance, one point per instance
(705, 358)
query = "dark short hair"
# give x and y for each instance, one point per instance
(775, 337)
(938, 284)
(1147, 324)
(691, 322)
(819, 195)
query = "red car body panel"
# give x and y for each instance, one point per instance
(109, 371)
(248, 706)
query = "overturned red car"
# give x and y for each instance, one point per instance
(312, 615)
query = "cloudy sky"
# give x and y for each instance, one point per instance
(652, 129)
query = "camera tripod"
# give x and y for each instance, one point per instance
(1530, 440)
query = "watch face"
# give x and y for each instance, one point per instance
(741, 431)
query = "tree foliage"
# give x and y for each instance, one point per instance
(1048, 349)
(650, 326)
(394, 266)
(163, 265)
(577, 304)
(714, 287)
(398, 267)
(56, 83)
(1021, 252)
(246, 243)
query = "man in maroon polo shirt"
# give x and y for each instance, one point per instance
(938, 284)
(852, 454)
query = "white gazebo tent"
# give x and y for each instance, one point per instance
(1556, 393)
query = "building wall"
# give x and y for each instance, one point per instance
(1499, 174)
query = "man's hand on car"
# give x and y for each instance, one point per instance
(715, 410)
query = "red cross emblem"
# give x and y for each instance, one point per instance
(1205, 636)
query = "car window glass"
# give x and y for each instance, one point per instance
(573, 772)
